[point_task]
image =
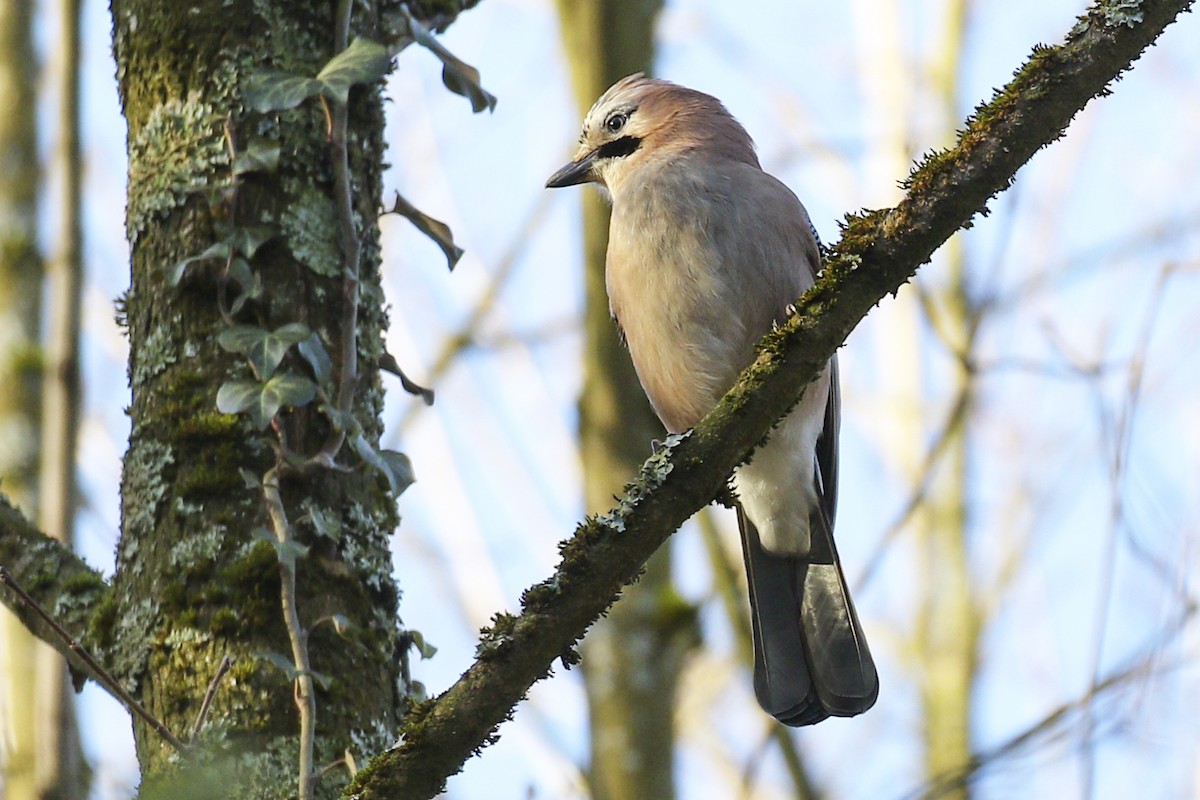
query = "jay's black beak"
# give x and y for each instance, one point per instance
(573, 173)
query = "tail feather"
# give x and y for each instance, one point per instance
(810, 654)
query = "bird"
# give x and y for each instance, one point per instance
(706, 253)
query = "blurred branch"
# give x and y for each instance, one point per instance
(53, 576)
(1055, 722)
(1119, 447)
(879, 251)
(1085, 263)
(466, 335)
(94, 669)
(955, 418)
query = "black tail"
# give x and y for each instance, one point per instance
(810, 655)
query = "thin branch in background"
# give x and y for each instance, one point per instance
(986, 283)
(1068, 372)
(549, 332)
(1086, 263)
(98, 672)
(463, 338)
(1119, 448)
(1133, 394)
(1056, 722)
(206, 704)
(955, 418)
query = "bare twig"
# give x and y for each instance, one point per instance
(339, 122)
(1122, 437)
(941, 785)
(954, 420)
(461, 339)
(206, 704)
(99, 672)
(306, 699)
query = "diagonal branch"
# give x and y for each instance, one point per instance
(55, 577)
(878, 253)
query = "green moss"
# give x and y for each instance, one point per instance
(206, 425)
(218, 477)
(189, 407)
(495, 637)
(172, 598)
(223, 623)
(103, 621)
(249, 582)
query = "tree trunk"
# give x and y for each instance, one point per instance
(193, 582)
(632, 657)
(66, 772)
(43, 759)
(20, 375)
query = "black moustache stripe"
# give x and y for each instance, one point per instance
(619, 148)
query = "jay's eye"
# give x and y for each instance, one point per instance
(615, 122)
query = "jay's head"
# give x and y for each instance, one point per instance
(643, 121)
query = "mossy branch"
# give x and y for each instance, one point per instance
(57, 579)
(878, 252)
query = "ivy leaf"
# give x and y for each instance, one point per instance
(264, 349)
(246, 240)
(218, 250)
(337, 419)
(288, 389)
(273, 90)
(363, 61)
(396, 467)
(240, 273)
(251, 480)
(388, 363)
(289, 551)
(463, 79)
(423, 647)
(262, 401)
(325, 524)
(400, 471)
(458, 76)
(234, 397)
(321, 679)
(249, 280)
(262, 534)
(283, 662)
(313, 351)
(434, 229)
(367, 452)
(260, 155)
